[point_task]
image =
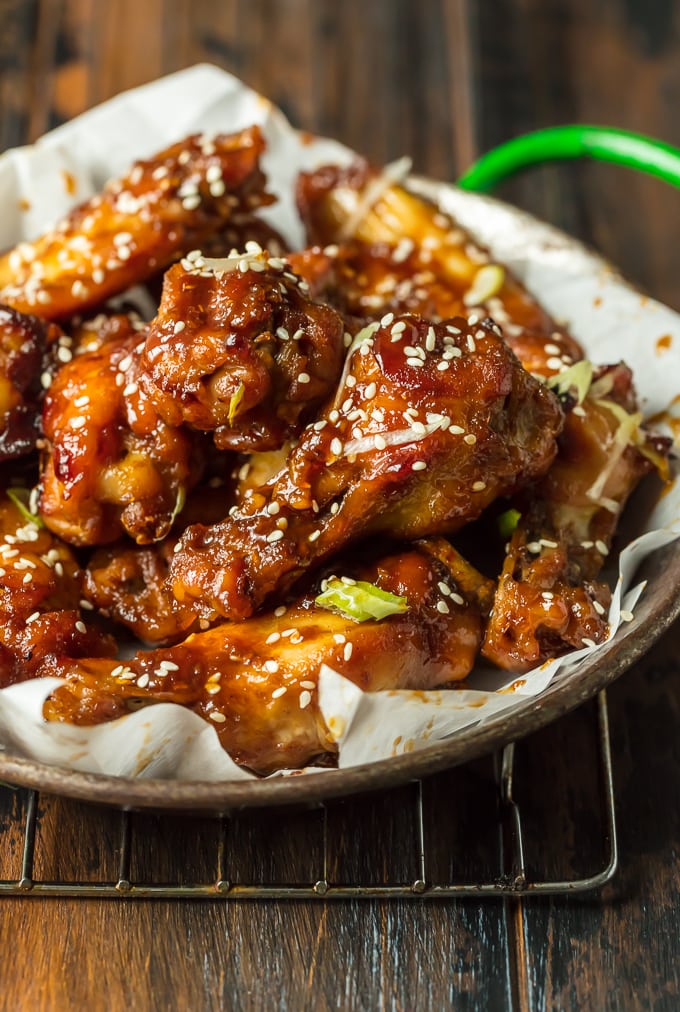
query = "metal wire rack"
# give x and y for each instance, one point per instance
(510, 879)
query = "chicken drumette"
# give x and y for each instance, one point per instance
(110, 464)
(40, 600)
(238, 349)
(548, 599)
(430, 424)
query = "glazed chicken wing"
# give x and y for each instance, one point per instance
(24, 359)
(385, 247)
(238, 349)
(548, 599)
(161, 209)
(110, 464)
(257, 680)
(40, 600)
(430, 424)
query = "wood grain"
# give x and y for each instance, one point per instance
(441, 80)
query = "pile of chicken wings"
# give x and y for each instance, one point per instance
(377, 453)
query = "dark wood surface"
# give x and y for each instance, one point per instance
(441, 80)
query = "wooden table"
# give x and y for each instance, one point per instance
(441, 80)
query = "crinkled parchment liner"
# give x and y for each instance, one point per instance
(612, 320)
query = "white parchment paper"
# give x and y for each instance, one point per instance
(610, 318)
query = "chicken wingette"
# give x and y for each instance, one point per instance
(257, 680)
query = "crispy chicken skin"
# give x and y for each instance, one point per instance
(40, 600)
(257, 680)
(430, 425)
(161, 209)
(388, 248)
(110, 464)
(548, 599)
(238, 349)
(24, 357)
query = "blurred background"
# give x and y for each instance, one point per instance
(440, 80)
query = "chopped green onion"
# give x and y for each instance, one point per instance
(361, 601)
(507, 522)
(235, 402)
(20, 497)
(578, 377)
(179, 504)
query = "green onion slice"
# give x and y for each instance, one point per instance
(361, 601)
(20, 498)
(578, 377)
(235, 402)
(507, 523)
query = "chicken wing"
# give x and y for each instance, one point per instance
(385, 247)
(40, 599)
(548, 599)
(161, 209)
(25, 368)
(257, 680)
(110, 464)
(238, 349)
(430, 424)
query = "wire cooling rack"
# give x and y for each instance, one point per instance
(510, 877)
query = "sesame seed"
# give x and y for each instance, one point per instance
(598, 607)
(273, 638)
(304, 377)
(339, 637)
(471, 343)
(314, 535)
(370, 391)
(478, 486)
(271, 666)
(336, 447)
(470, 439)
(431, 339)
(28, 578)
(219, 718)
(387, 319)
(45, 380)
(179, 327)
(457, 599)
(334, 508)
(130, 389)
(601, 547)
(534, 546)
(380, 443)
(170, 665)
(547, 595)
(125, 363)
(305, 699)
(143, 681)
(33, 617)
(456, 430)
(118, 670)
(442, 366)
(64, 355)
(554, 363)
(547, 543)
(277, 693)
(419, 465)
(551, 349)
(273, 508)
(347, 652)
(444, 588)
(398, 328)
(274, 536)
(626, 616)
(81, 627)
(281, 610)
(443, 607)
(307, 685)
(78, 422)
(415, 362)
